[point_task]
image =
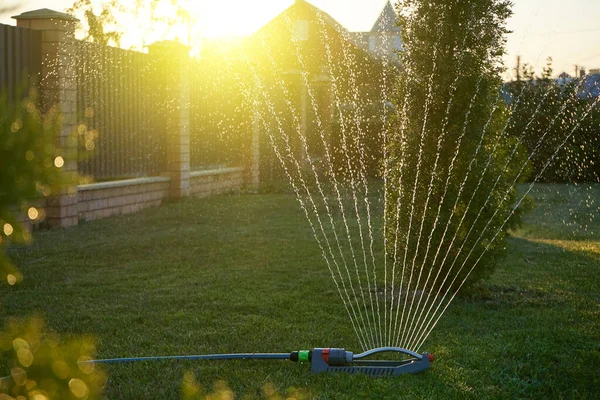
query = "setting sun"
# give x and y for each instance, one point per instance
(189, 21)
(234, 17)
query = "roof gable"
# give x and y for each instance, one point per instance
(386, 22)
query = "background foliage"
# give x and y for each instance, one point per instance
(544, 112)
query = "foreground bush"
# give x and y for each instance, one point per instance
(30, 164)
(43, 368)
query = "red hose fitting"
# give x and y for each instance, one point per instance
(431, 357)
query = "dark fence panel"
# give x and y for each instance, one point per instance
(117, 100)
(220, 116)
(20, 62)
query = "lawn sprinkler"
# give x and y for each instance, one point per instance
(340, 360)
(321, 360)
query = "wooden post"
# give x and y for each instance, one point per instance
(58, 92)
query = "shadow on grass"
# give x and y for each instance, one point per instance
(532, 331)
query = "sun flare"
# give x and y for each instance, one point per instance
(234, 17)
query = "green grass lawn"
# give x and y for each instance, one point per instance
(244, 274)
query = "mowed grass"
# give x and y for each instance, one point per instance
(244, 274)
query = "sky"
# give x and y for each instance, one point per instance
(569, 32)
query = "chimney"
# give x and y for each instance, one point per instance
(582, 72)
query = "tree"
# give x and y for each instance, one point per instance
(544, 112)
(98, 23)
(133, 23)
(451, 166)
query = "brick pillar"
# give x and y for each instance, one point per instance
(58, 92)
(172, 80)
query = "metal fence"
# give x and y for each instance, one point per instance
(220, 122)
(120, 99)
(20, 62)
(115, 98)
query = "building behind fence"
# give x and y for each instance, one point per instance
(145, 122)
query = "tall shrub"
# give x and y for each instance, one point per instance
(448, 149)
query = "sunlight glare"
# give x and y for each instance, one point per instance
(235, 17)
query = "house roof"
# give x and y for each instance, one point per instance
(328, 19)
(386, 22)
(590, 87)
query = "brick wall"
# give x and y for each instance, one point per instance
(107, 199)
(211, 182)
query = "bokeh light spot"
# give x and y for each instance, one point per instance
(60, 369)
(84, 365)
(11, 279)
(16, 126)
(19, 343)
(33, 213)
(59, 162)
(18, 375)
(25, 357)
(30, 384)
(78, 388)
(8, 229)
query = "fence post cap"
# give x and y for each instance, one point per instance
(45, 13)
(168, 46)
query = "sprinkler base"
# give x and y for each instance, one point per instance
(340, 360)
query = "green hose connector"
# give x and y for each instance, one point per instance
(304, 355)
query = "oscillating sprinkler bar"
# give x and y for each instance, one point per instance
(321, 360)
(340, 360)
